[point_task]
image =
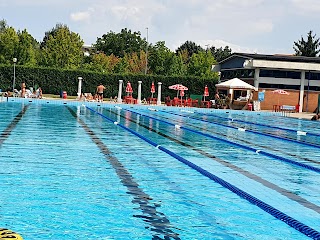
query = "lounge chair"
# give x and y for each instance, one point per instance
(29, 94)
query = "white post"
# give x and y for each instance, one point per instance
(79, 87)
(120, 92)
(256, 78)
(231, 93)
(139, 92)
(303, 78)
(159, 94)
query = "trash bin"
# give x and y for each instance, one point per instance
(250, 107)
(64, 95)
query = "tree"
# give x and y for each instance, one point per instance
(102, 63)
(309, 48)
(27, 49)
(119, 44)
(20, 45)
(9, 40)
(164, 62)
(220, 54)
(61, 48)
(177, 65)
(3, 25)
(137, 62)
(200, 64)
(190, 47)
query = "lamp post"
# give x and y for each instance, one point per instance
(14, 73)
(145, 71)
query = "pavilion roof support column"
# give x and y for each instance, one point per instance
(303, 78)
(256, 77)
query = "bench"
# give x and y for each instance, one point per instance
(288, 108)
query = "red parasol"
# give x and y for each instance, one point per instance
(280, 92)
(152, 90)
(206, 92)
(129, 89)
(178, 87)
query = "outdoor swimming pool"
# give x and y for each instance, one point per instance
(129, 172)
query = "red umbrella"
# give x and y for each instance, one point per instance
(178, 87)
(280, 92)
(153, 89)
(129, 89)
(206, 92)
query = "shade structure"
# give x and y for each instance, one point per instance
(153, 89)
(206, 92)
(235, 83)
(178, 87)
(280, 92)
(129, 90)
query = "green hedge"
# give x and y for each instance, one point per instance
(53, 81)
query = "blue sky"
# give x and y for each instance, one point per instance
(261, 26)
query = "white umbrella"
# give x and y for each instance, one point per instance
(235, 83)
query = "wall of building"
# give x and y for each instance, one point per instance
(271, 99)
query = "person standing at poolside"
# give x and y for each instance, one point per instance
(99, 91)
(23, 89)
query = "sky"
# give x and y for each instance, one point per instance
(250, 26)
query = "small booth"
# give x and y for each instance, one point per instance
(239, 93)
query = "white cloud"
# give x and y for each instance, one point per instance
(80, 16)
(306, 6)
(221, 43)
(261, 26)
(240, 23)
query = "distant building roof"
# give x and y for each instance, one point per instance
(276, 57)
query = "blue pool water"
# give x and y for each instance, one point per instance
(77, 172)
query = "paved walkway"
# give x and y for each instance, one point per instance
(302, 115)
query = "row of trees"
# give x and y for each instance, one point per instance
(124, 52)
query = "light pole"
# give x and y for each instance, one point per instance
(145, 71)
(14, 73)
(207, 45)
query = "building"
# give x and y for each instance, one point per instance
(300, 76)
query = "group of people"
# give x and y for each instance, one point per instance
(24, 92)
(28, 93)
(98, 96)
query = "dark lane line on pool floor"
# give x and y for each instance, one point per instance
(292, 196)
(159, 222)
(6, 133)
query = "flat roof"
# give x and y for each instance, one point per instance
(276, 57)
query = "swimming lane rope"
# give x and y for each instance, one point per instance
(263, 125)
(252, 131)
(308, 231)
(283, 159)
